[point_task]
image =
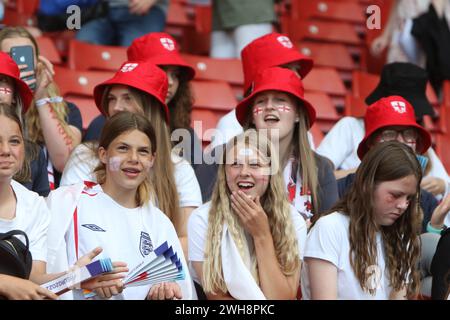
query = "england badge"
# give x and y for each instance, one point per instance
(145, 244)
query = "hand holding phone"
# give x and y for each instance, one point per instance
(24, 57)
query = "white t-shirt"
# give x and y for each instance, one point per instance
(341, 143)
(198, 227)
(329, 240)
(126, 235)
(229, 127)
(32, 217)
(81, 165)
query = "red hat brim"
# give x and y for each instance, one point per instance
(117, 80)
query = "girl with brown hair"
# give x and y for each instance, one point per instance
(368, 246)
(141, 87)
(118, 213)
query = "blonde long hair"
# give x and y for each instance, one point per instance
(301, 150)
(60, 109)
(275, 205)
(387, 161)
(163, 177)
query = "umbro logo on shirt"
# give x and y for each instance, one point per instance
(93, 227)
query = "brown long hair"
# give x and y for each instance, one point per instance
(30, 149)
(163, 173)
(180, 107)
(114, 127)
(60, 109)
(302, 152)
(386, 161)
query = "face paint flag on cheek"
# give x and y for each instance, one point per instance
(284, 108)
(257, 110)
(114, 163)
(5, 91)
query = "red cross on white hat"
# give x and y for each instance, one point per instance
(168, 43)
(129, 67)
(399, 106)
(285, 41)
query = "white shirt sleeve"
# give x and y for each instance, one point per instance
(80, 166)
(338, 144)
(324, 240)
(438, 171)
(300, 230)
(188, 188)
(227, 128)
(197, 229)
(38, 236)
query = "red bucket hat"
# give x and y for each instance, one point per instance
(161, 49)
(143, 76)
(8, 67)
(271, 50)
(278, 79)
(392, 111)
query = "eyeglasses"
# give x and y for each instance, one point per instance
(408, 135)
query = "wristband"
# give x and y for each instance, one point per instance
(432, 229)
(41, 102)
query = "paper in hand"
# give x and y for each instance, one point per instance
(73, 278)
(161, 265)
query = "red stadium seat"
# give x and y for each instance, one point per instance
(327, 80)
(324, 31)
(443, 141)
(48, 49)
(363, 84)
(86, 56)
(203, 18)
(213, 95)
(206, 68)
(178, 20)
(78, 87)
(27, 7)
(354, 106)
(229, 70)
(16, 19)
(327, 55)
(326, 113)
(348, 11)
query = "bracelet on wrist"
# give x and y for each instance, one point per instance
(432, 229)
(44, 101)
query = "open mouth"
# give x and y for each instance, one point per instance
(131, 172)
(271, 119)
(245, 185)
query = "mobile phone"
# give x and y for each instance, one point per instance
(24, 55)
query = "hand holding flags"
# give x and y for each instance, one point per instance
(162, 265)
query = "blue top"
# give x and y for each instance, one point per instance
(55, 7)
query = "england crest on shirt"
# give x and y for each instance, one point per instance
(145, 244)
